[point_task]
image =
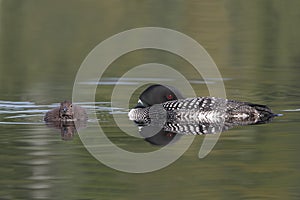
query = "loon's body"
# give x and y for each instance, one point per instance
(172, 110)
(208, 109)
(205, 109)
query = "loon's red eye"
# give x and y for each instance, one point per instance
(169, 96)
(169, 134)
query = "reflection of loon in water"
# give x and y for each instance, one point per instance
(163, 108)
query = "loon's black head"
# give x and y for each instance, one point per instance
(156, 94)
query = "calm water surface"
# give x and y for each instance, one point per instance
(255, 45)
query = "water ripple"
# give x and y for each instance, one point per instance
(29, 113)
(136, 81)
(292, 110)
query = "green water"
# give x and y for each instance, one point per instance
(255, 45)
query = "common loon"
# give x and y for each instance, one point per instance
(164, 106)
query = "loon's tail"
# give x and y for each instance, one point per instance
(265, 113)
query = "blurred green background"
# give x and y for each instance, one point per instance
(255, 45)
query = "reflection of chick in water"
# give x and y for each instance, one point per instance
(65, 117)
(67, 131)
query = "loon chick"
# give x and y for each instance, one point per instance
(160, 104)
(66, 112)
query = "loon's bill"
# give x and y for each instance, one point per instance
(165, 107)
